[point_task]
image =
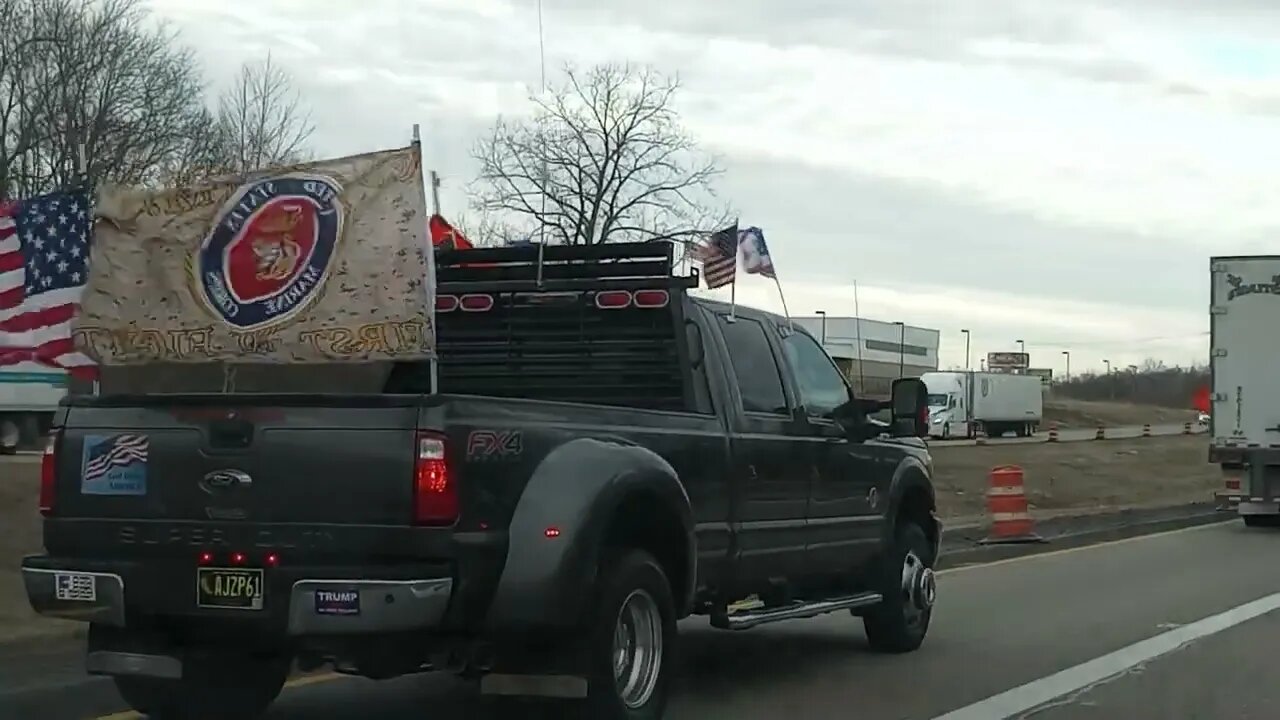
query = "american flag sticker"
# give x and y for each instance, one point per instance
(114, 465)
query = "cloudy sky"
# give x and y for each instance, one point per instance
(1057, 172)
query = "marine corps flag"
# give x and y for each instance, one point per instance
(314, 263)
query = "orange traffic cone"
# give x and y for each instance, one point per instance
(1007, 503)
(1053, 432)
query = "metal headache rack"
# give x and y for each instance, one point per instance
(600, 327)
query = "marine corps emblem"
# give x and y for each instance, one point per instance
(270, 250)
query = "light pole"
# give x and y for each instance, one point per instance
(1108, 363)
(902, 347)
(967, 337)
(1022, 346)
(1067, 354)
(823, 314)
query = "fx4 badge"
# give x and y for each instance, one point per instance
(494, 444)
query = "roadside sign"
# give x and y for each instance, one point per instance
(1008, 360)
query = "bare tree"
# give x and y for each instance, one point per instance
(91, 75)
(604, 158)
(261, 120)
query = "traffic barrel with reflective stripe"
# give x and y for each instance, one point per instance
(1146, 430)
(1007, 504)
(1053, 432)
(1101, 434)
(1186, 428)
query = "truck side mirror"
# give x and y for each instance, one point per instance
(910, 408)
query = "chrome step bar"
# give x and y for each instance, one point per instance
(795, 611)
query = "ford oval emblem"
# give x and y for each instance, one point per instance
(224, 480)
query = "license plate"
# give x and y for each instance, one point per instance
(232, 588)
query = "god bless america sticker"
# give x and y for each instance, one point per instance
(270, 250)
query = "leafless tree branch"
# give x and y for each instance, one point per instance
(604, 158)
(91, 74)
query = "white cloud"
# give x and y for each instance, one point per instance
(1091, 332)
(1012, 155)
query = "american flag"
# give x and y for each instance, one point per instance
(44, 265)
(719, 257)
(116, 451)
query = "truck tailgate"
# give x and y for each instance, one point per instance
(261, 459)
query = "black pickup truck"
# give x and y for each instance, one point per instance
(606, 455)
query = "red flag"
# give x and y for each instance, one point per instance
(447, 236)
(1200, 401)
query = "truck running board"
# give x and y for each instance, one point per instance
(795, 611)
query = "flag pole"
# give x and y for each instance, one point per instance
(82, 180)
(857, 322)
(733, 290)
(782, 295)
(434, 179)
(542, 142)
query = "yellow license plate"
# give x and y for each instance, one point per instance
(232, 588)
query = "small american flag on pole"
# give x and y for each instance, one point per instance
(44, 265)
(119, 451)
(719, 257)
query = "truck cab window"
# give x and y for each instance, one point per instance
(754, 366)
(822, 389)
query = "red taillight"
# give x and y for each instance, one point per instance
(650, 298)
(435, 491)
(48, 475)
(924, 417)
(613, 299)
(476, 303)
(446, 303)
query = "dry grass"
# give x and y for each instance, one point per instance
(1081, 475)
(1088, 413)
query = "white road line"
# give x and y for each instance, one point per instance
(1088, 674)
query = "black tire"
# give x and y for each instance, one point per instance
(946, 431)
(898, 624)
(213, 688)
(625, 575)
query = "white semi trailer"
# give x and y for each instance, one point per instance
(963, 402)
(29, 394)
(1244, 421)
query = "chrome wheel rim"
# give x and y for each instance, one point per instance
(919, 587)
(637, 649)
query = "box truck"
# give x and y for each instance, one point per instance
(963, 402)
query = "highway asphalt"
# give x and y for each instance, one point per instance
(1175, 625)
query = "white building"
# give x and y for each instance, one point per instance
(872, 353)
